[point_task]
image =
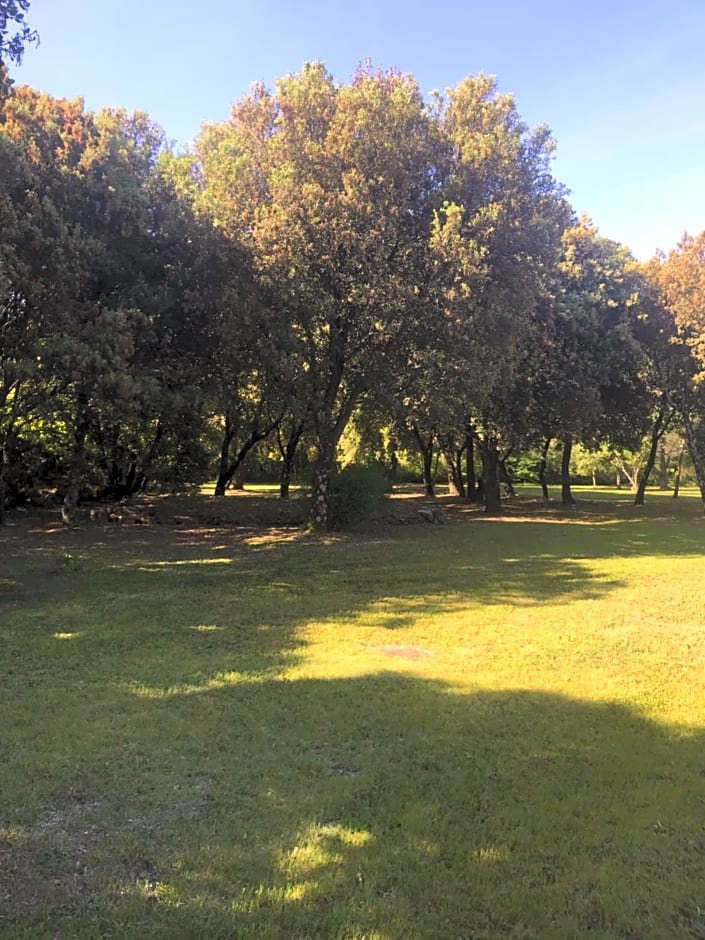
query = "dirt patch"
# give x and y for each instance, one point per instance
(244, 510)
(179, 523)
(70, 850)
(51, 862)
(173, 523)
(403, 652)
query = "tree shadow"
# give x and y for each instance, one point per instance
(175, 616)
(185, 616)
(182, 785)
(387, 806)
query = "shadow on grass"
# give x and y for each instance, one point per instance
(181, 619)
(180, 616)
(383, 806)
(160, 779)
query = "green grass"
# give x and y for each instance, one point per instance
(259, 489)
(485, 729)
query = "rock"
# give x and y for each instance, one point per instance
(436, 516)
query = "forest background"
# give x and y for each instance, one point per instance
(339, 273)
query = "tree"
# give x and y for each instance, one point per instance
(680, 279)
(36, 251)
(588, 382)
(682, 282)
(12, 45)
(325, 184)
(668, 367)
(116, 311)
(495, 230)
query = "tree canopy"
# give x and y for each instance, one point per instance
(332, 252)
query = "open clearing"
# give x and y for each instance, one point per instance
(490, 728)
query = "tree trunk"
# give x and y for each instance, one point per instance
(320, 510)
(679, 467)
(288, 452)
(658, 430)
(114, 470)
(8, 439)
(329, 427)
(470, 477)
(68, 508)
(695, 455)
(141, 476)
(566, 492)
(323, 471)
(428, 482)
(229, 468)
(426, 451)
(223, 478)
(3, 476)
(121, 485)
(634, 481)
(453, 466)
(662, 469)
(453, 484)
(393, 466)
(631, 475)
(504, 476)
(542, 469)
(490, 478)
(237, 481)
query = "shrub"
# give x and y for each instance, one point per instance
(355, 492)
(70, 564)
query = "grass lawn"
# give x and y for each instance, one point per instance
(486, 729)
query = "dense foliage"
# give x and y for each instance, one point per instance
(334, 259)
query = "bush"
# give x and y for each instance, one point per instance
(355, 492)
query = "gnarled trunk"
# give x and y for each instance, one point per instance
(323, 471)
(329, 426)
(631, 473)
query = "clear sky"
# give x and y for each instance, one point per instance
(621, 83)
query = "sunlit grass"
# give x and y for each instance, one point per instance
(474, 730)
(612, 493)
(258, 489)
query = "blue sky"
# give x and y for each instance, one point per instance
(621, 83)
